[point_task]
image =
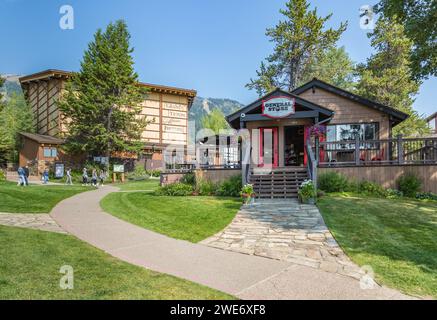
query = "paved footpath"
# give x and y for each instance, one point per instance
(242, 275)
(285, 230)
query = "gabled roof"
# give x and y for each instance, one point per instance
(61, 74)
(431, 117)
(300, 101)
(316, 83)
(41, 138)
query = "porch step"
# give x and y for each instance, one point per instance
(277, 182)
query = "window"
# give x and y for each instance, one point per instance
(50, 152)
(349, 132)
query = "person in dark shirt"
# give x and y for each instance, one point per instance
(26, 175)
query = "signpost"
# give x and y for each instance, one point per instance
(59, 170)
(118, 168)
(278, 107)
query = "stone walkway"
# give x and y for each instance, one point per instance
(288, 231)
(32, 221)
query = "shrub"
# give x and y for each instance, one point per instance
(409, 184)
(2, 175)
(371, 188)
(333, 182)
(230, 187)
(189, 178)
(139, 173)
(206, 188)
(175, 189)
(393, 194)
(426, 196)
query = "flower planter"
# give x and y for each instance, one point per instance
(247, 198)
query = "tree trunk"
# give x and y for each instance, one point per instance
(108, 146)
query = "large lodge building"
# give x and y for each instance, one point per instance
(167, 108)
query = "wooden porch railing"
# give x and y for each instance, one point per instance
(398, 151)
(312, 164)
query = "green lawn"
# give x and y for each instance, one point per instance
(30, 263)
(145, 185)
(397, 238)
(34, 198)
(187, 218)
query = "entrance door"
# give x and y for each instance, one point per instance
(294, 146)
(268, 149)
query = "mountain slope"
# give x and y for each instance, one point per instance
(203, 106)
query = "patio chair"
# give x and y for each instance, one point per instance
(379, 156)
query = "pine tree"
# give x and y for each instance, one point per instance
(387, 75)
(333, 66)
(101, 105)
(299, 40)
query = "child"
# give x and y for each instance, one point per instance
(45, 176)
(21, 179)
(84, 177)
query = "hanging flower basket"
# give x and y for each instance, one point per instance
(317, 131)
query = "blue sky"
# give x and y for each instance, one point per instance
(213, 46)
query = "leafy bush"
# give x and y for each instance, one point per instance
(2, 175)
(189, 178)
(206, 188)
(371, 188)
(139, 173)
(175, 189)
(393, 194)
(230, 187)
(247, 189)
(333, 182)
(426, 196)
(409, 184)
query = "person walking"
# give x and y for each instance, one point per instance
(45, 176)
(69, 179)
(94, 177)
(21, 180)
(102, 177)
(26, 175)
(84, 177)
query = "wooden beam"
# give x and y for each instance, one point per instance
(297, 115)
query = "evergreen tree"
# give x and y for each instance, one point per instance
(15, 117)
(299, 40)
(215, 121)
(386, 77)
(101, 104)
(333, 66)
(419, 18)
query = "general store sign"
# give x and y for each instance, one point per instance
(278, 107)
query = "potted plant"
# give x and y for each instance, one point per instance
(247, 193)
(307, 192)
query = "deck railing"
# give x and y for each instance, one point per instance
(396, 151)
